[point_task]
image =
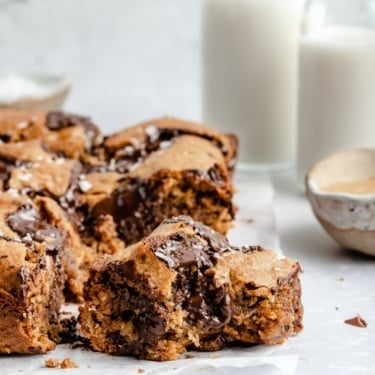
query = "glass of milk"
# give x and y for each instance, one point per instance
(336, 79)
(249, 76)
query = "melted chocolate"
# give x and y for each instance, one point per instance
(31, 227)
(181, 251)
(216, 241)
(70, 201)
(148, 316)
(70, 334)
(215, 175)
(121, 204)
(132, 208)
(191, 257)
(130, 155)
(5, 137)
(218, 244)
(57, 120)
(4, 171)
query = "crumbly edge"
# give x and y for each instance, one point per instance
(179, 193)
(29, 322)
(263, 315)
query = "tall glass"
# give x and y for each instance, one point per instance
(337, 79)
(249, 75)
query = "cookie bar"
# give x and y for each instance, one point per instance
(170, 167)
(184, 287)
(67, 134)
(29, 170)
(31, 275)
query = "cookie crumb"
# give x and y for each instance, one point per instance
(52, 363)
(356, 322)
(341, 279)
(55, 363)
(141, 370)
(68, 363)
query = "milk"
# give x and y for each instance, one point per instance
(337, 93)
(249, 75)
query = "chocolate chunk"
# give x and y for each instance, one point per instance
(60, 120)
(70, 201)
(28, 224)
(357, 321)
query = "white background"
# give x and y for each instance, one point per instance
(129, 60)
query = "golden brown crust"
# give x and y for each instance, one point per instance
(31, 278)
(169, 167)
(267, 296)
(185, 287)
(16, 126)
(141, 133)
(70, 135)
(97, 196)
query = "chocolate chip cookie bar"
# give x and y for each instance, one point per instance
(32, 277)
(169, 167)
(184, 287)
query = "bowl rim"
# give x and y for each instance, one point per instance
(313, 186)
(62, 85)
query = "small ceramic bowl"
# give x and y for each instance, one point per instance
(35, 91)
(341, 191)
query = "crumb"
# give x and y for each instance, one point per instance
(341, 279)
(357, 322)
(215, 356)
(141, 370)
(336, 308)
(88, 366)
(52, 363)
(55, 363)
(188, 356)
(68, 363)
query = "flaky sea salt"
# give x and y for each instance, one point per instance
(84, 185)
(27, 238)
(13, 192)
(22, 125)
(25, 177)
(153, 132)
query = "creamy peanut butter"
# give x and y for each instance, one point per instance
(353, 187)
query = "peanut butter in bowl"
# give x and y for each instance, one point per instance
(361, 187)
(341, 191)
